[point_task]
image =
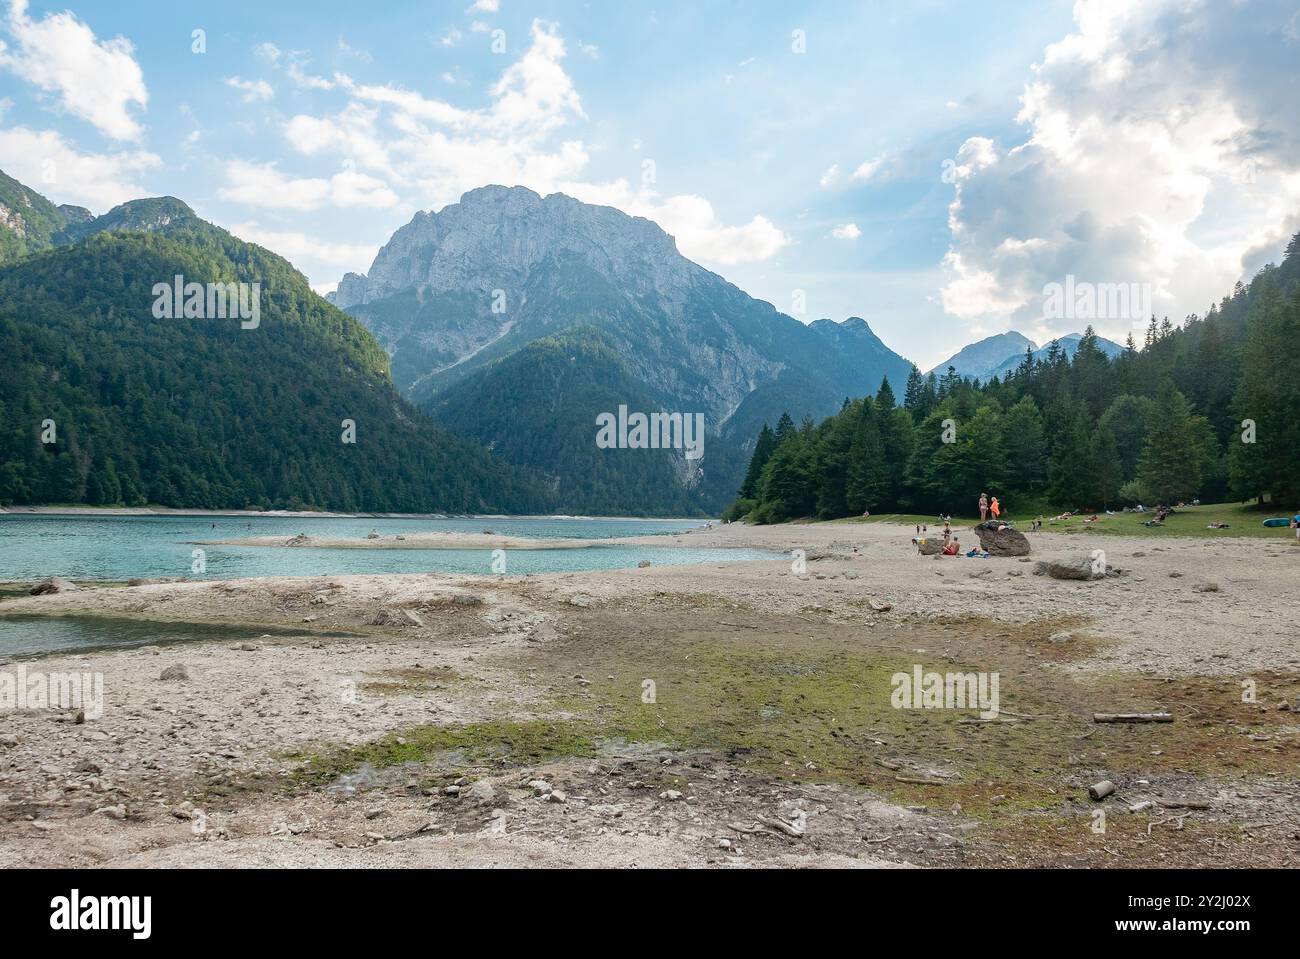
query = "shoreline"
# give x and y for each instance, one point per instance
(316, 514)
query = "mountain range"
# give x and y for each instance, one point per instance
(1002, 353)
(103, 402)
(456, 294)
(474, 357)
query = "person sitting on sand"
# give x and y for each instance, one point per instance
(984, 506)
(952, 547)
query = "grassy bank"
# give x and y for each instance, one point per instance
(1242, 520)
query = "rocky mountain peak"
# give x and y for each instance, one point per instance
(496, 235)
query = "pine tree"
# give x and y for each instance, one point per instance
(912, 394)
(1173, 455)
(1268, 395)
(763, 449)
(1025, 447)
(784, 428)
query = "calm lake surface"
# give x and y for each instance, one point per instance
(127, 547)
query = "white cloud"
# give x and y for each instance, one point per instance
(484, 6)
(48, 163)
(690, 220)
(354, 52)
(868, 169)
(97, 81)
(849, 231)
(1162, 147)
(252, 89)
(831, 176)
(295, 70)
(308, 253)
(262, 185)
(269, 52)
(432, 152)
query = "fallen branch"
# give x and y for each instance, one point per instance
(918, 781)
(737, 625)
(795, 832)
(1160, 822)
(1132, 717)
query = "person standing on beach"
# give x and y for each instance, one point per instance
(984, 506)
(995, 508)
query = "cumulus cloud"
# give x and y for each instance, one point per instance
(1161, 149)
(48, 163)
(849, 231)
(433, 151)
(308, 253)
(831, 176)
(97, 81)
(265, 186)
(868, 168)
(252, 89)
(691, 221)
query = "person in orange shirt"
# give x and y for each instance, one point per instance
(995, 508)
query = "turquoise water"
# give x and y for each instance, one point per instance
(128, 547)
(22, 636)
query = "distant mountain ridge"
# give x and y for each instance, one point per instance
(1068, 345)
(1003, 353)
(978, 361)
(102, 402)
(29, 223)
(456, 291)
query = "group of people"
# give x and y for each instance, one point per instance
(989, 509)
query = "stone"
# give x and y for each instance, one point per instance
(557, 795)
(482, 792)
(1079, 568)
(672, 795)
(55, 584)
(643, 564)
(175, 673)
(390, 616)
(540, 787)
(999, 539)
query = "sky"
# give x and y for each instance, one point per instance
(933, 167)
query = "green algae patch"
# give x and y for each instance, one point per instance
(500, 743)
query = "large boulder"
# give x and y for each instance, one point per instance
(999, 539)
(931, 545)
(1080, 567)
(55, 584)
(392, 616)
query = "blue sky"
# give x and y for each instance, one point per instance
(925, 165)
